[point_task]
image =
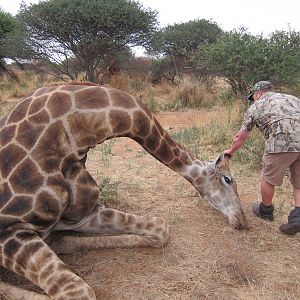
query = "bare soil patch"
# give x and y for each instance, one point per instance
(206, 259)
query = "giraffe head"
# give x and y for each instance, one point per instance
(215, 183)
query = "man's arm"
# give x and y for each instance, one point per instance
(238, 141)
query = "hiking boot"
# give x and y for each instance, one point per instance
(263, 212)
(293, 225)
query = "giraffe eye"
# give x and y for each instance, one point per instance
(227, 179)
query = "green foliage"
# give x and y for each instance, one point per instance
(243, 59)
(86, 31)
(106, 151)
(184, 38)
(7, 26)
(284, 58)
(177, 42)
(108, 191)
(163, 68)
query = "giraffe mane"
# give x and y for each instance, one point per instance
(57, 83)
(183, 147)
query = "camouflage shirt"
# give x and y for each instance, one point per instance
(278, 118)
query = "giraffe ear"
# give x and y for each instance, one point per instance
(222, 159)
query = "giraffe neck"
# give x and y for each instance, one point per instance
(94, 114)
(170, 153)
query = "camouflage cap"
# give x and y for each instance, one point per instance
(261, 85)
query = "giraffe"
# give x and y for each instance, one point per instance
(45, 187)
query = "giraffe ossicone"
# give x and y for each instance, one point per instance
(45, 187)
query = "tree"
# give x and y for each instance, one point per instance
(243, 59)
(7, 26)
(85, 32)
(179, 41)
(284, 58)
(184, 38)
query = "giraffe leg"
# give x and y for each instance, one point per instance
(26, 254)
(128, 231)
(15, 293)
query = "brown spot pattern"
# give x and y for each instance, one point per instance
(95, 97)
(47, 206)
(185, 159)
(176, 164)
(7, 134)
(164, 152)
(141, 124)
(108, 215)
(19, 112)
(121, 99)
(7, 221)
(145, 109)
(200, 181)
(170, 141)
(176, 151)
(152, 141)
(120, 121)
(18, 206)
(2, 121)
(26, 178)
(84, 201)
(37, 104)
(71, 167)
(11, 248)
(52, 147)
(158, 126)
(86, 198)
(28, 134)
(28, 251)
(88, 129)
(85, 179)
(60, 187)
(41, 222)
(5, 194)
(59, 103)
(41, 117)
(10, 156)
(47, 271)
(45, 90)
(73, 87)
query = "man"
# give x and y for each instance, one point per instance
(278, 118)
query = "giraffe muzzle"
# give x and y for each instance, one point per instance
(239, 221)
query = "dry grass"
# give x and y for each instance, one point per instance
(12, 91)
(28, 81)
(189, 93)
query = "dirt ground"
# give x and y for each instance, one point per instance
(205, 259)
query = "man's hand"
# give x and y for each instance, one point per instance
(228, 152)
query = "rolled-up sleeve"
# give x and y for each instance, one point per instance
(249, 120)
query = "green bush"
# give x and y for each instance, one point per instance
(243, 59)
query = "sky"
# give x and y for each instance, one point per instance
(258, 16)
